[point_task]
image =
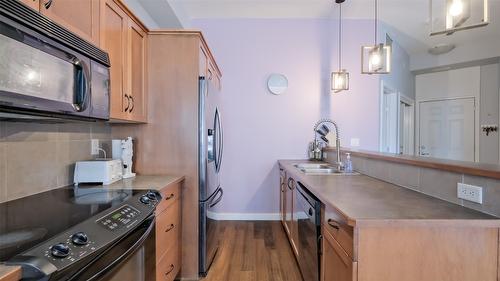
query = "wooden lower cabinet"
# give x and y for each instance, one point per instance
(168, 234)
(337, 265)
(168, 267)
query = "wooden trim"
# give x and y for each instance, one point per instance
(10, 273)
(190, 32)
(469, 168)
(131, 14)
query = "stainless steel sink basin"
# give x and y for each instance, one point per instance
(322, 169)
(313, 166)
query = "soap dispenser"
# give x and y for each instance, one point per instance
(348, 163)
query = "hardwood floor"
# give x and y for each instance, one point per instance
(254, 251)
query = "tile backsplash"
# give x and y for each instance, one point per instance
(38, 157)
(433, 182)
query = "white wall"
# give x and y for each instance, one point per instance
(141, 13)
(489, 113)
(480, 82)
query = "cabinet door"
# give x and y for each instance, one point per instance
(78, 16)
(337, 265)
(288, 205)
(290, 225)
(114, 40)
(34, 4)
(283, 189)
(136, 72)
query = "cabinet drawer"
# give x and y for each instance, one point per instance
(169, 195)
(336, 263)
(169, 265)
(337, 226)
(167, 229)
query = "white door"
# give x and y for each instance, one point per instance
(406, 128)
(389, 125)
(447, 129)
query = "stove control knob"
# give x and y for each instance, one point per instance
(60, 250)
(79, 239)
(154, 195)
(145, 199)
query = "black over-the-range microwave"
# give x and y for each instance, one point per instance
(46, 70)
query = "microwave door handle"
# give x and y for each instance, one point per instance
(82, 87)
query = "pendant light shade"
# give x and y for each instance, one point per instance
(458, 15)
(340, 78)
(376, 59)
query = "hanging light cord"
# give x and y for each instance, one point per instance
(376, 20)
(340, 37)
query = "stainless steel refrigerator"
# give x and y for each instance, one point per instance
(211, 147)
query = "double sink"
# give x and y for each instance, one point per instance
(322, 169)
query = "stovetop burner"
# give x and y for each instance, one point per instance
(28, 221)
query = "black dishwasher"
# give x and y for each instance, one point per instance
(309, 233)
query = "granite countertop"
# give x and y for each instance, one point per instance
(145, 182)
(362, 199)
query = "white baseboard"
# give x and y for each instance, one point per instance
(244, 216)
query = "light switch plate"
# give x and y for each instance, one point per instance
(354, 142)
(470, 192)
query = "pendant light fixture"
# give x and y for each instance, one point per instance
(376, 59)
(340, 78)
(459, 15)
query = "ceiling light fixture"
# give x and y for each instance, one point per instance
(340, 78)
(457, 13)
(376, 59)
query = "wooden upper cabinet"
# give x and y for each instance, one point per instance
(137, 72)
(78, 16)
(114, 41)
(34, 4)
(125, 42)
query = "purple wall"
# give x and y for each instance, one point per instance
(261, 128)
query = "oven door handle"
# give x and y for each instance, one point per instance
(118, 260)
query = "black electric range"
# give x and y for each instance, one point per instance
(60, 232)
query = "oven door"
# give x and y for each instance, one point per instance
(131, 259)
(38, 75)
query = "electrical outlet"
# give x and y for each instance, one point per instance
(94, 147)
(470, 192)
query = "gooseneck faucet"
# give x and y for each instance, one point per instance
(317, 131)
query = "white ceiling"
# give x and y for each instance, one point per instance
(409, 18)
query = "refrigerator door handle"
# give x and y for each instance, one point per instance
(218, 199)
(221, 139)
(219, 142)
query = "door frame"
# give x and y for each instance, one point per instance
(411, 103)
(476, 122)
(400, 98)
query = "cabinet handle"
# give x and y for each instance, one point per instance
(133, 105)
(333, 224)
(170, 196)
(48, 4)
(128, 103)
(170, 228)
(171, 269)
(290, 180)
